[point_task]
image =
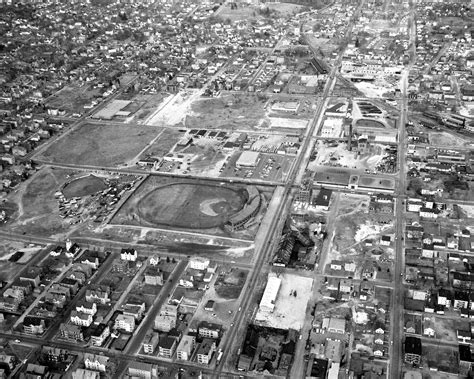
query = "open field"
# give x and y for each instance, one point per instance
(228, 112)
(165, 142)
(9, 269)
(84, 186)
(294, 293)
(72, 98)
(190, 206)
(100, 144)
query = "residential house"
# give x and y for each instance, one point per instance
(135, 309)
(129, 255)
(32, 276)
(428, 328)
(99, 334)
(166, 346)
(464, 335)
(96, 362)
(33, 326)
(154, 276)
(98, 294)
(125, 322)
(154, 260)
(205, 351)
(166, 319)
(87, 307)
(185, 348)
(199, 263)
(71, 332)
(150, 342)
(81, 319)
(209, 330)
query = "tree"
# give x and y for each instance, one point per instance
(294, 293)
(167, 259)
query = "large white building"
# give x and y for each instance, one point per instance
(247, 159)
(267, 304)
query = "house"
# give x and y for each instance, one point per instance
(35, 371)
(209, 330)
(187, 281)
(71, 332)
(166, 346)
(99, 334)
(33, 325)
(32, 276)
(135, 309)
(154, 260)
(9, 304)
(205, 351)
(445, 297)
(337, 265)
(87, 307)
(125, 322)
(199, 263)
(81, 319)
(185, 348)
(130, 255)
(98, 294)
(385, 240)
(345, 286)
(141, 370)
(166, 319)
(96, 362)
(464, 336)
(413, 350)
(153, 276)
(428, 328)
(150, 342)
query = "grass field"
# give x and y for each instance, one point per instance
(105, 145)
(87, 185)
(164, 143)
(229, 112)
(189, 205)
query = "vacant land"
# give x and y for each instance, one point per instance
(165, 142)
(229, 112)
(38, 211)
(101, 144)
(445, 139)
(87, 185)
(229, 285)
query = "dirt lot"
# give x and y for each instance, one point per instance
(101, 144)
(7, 248)
(339, 156)
(228, 112)
(445, 139)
